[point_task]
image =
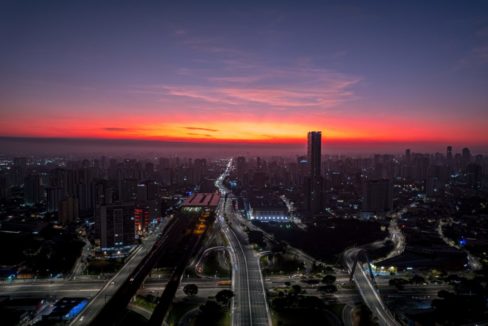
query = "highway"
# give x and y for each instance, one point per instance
(249, 306)
(473, 261)
(368, 290)
(87, 316)
(88, 289)
(182, 245)
(398, 238)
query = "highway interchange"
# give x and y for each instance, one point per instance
(249, 305)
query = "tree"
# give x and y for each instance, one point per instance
(297, 289)
(329, 288)
(209, 312)
(365, 315)
(190, 289)
(417, 279)
(279, 304)
(256, 237)
(312, 302)
(329, 270)
(278, 247)
(223, 297)
(312, 281)
(399, 283)
(444, 294)
(329, 279)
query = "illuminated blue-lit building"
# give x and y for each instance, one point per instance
(266, 208)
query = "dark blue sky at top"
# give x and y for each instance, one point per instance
(427, 58)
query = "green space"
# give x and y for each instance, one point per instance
(280, 264)
(148, 302)
(181, 307)
(299, 317)
(325, 240)
(132, 318)
(104, 266)
(48, 253)
(217, 263)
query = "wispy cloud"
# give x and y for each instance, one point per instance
(478, 55)
(300, 87)
(199, 135)
(116, 129)
(202, 129)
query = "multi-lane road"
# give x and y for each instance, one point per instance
(368, 290)
(96, 304)
(89, 288)
(249, 305)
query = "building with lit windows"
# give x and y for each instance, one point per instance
(115, 225)
(142, 219)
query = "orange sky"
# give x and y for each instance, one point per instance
(238, 127)
(245, 72)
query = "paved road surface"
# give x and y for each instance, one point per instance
(110, 288)
(249, 305)
(368, 291)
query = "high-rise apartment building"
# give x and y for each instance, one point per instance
(32, 190)
(115, 225)
(68, 210)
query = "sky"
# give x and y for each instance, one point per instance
(362, 72)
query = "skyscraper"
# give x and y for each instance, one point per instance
(314, 181)
(314, 152)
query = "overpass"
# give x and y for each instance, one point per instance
(355, 257)
(117, 293)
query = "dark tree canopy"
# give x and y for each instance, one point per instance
(190, 289)
(224, 297)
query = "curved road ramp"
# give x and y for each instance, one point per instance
(367, 288)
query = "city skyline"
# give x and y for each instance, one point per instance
(243, 163)
(247, 73)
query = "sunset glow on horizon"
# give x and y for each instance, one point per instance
(266, 74)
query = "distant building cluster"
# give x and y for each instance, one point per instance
(315, 185)
(122, 197)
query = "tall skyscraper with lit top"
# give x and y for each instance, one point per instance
(314, 181)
